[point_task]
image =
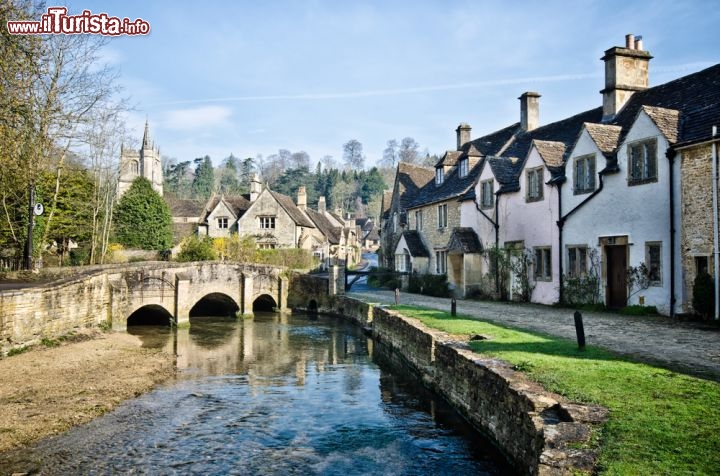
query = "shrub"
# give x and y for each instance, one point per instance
(383, 278)
(79, 256)
(195, 248)
(638, 310)
(429, 284)
(703, 299)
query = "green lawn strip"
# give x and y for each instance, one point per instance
(661, 422)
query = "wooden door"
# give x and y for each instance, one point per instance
(616, 286)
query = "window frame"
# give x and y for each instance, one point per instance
(418, 220)
(542, 271)
(463, 167)
(646, 176)
(489, 183)
(442, 219)
(574, 268)
(223, 223)
(539, 174)
(648, 262)
(439, 176)
(266, 220)
(588, 179)
(441, 261)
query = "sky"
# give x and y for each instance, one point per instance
(252, 77)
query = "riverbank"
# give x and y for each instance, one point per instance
(47, 390)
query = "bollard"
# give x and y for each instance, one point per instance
(579, 330)
(453, 307)
(397, 296)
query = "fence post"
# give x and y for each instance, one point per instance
(579, 330)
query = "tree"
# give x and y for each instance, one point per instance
(227, 175)
(371, 184)
(142, 218)
(203, 184)
(408, 151)
(390, 154)
(178, 179)
(353, 155)
(299, 160)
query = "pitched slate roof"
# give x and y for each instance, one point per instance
(493, 143)
(332, 233)
(453, 186)
(667, 120)
(386, 200)
(551, 152)
(415, 245)
(289, 206)
(605, 136)
(506, 171)
(237, 204)
(185, 207)
(696, 97)
(464, 240)
(412, 178)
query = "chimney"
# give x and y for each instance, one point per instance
(255, 187)
(463, 135)
(302, 198)
(321, 205)
(626, 71)
(529, 110)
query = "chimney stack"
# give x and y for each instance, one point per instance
(255, 187)
(529, 110)
(626, 71)
(463, 135)
(302, 198)
(321, 205)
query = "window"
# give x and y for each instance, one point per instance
(403, 262)
(418, 220)
(134, 167)
(584, 174)
(222, 223)
(653, 261)
(267, 223)
(266, 246)
(577, 261)
(642, 162)
(543, 264)
(439, 176)
(442, 215)
(534, 184)
(463, 168)
(441, 262)
(487, 197)
(701, 265)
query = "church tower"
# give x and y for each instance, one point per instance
(144, 162)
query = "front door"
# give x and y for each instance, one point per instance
(616, 286)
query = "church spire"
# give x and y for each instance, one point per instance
(146, 136)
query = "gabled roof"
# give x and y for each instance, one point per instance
(605, 136)
(449, 158)
(493, 143)
(332, 233)
(453, 187)
(185, 207)
(464, 240)
(667, 120)
(411, 178)
(237, 205)
(415, 245)
(551, 152)
(696, 97)
(386, 200)
(289, 206)
(506, 171)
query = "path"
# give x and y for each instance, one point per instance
(688, 347)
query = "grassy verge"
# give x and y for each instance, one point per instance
(661, 422)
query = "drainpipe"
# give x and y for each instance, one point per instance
(496, 225)
(670, 154)
(716, 252)
(560, 242)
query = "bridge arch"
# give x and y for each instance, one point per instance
(150, 315)
(264, 302)
(214, 304)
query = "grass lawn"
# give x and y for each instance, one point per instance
(661, 422)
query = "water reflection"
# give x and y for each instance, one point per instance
(276, 394)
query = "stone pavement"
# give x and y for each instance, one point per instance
(687, 347)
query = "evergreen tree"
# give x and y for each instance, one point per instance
(142, 218)
(204, 182)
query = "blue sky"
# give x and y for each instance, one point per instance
(251, 77)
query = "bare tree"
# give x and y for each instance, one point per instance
(328, 162)
(390, 154)
(300, 159)
(409, 151)
(353, 155)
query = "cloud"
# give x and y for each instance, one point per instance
(196, 118)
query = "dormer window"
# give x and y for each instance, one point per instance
(439, 176)
(463, 168)
(584, 174)
(534, 184)
(642, 160)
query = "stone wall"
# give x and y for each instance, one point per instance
(696, 238)
(540, 432)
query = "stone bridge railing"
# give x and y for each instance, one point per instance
(108, 295)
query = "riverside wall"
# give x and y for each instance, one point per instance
(541, 433)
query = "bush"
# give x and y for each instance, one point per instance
(194, 248)
(703, 299)
(79, 256)
(383, 278)
(638, 310)
(429, 284)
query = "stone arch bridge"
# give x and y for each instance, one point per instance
(111, 294)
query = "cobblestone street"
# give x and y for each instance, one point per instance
(687, 347)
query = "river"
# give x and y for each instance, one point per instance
(276, 394)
